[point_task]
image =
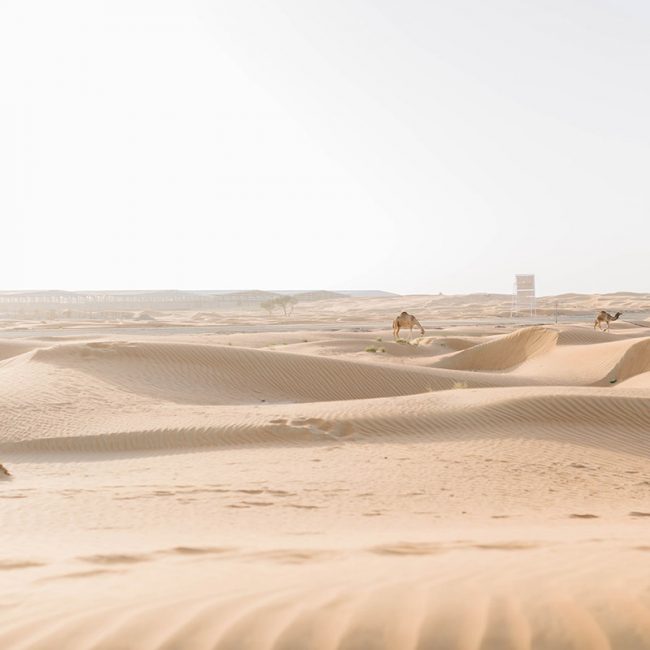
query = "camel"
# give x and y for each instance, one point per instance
(405, 320)
(604, 317)
(4, 472)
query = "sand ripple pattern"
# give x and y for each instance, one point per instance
(110, 396)
(428, 613)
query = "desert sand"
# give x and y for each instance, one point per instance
(310, 483)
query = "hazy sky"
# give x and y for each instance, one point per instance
(410, 146)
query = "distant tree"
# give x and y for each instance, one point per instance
(286, 303)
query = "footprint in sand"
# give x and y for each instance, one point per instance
(408, 548)
(10, 565)
(115, 558)
(199, 550)
(82, 574)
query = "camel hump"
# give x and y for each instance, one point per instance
(404, 313)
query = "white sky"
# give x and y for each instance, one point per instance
(410, 146)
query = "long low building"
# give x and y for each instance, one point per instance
(27, 302)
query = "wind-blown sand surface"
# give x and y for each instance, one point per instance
(481, 487)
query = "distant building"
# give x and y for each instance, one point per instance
(523, 296)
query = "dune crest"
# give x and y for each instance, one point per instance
(504, 352)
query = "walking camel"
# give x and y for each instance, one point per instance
(605, 317)
(405, 320)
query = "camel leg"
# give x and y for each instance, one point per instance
(396, 332)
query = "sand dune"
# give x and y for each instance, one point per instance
(613, 421)
(206, 374)
(11, 348)
(579, 335)
(635, 361)
(479, 487)
(589, 364)
(366, 347)
(568, 357)
(504, 352)
(641, 380)
(173, 395)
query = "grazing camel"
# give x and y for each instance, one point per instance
(604, 317)
(405, 320)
